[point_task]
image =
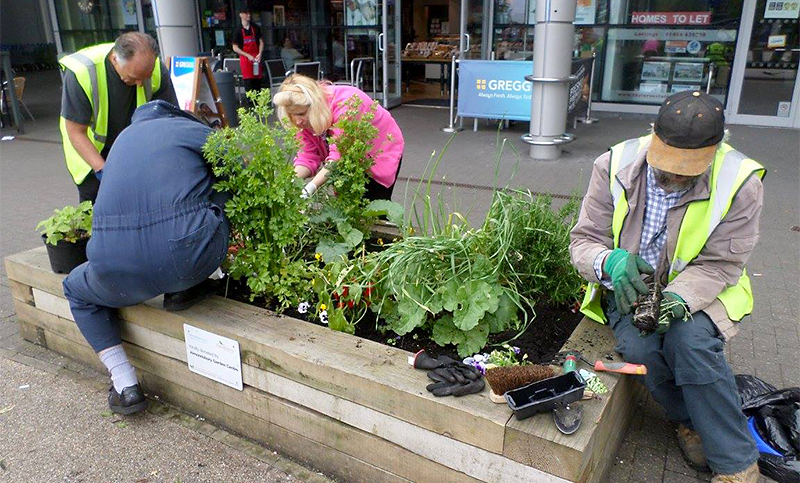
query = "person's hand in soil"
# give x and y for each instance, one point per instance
(625, 270)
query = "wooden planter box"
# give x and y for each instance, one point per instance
(347, 406)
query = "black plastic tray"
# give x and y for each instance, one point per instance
(542, 396)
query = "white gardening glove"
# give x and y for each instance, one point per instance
(308, 190)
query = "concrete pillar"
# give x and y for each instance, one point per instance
(552, 61)
(176, 24)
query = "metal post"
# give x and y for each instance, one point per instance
(710, 76)
(587, 118)
(451, 127)
(11, 92)
(552, 63)
(176, 24)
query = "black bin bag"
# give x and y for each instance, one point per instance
(776, 414)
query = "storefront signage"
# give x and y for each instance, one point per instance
(780, 9)
(675, 46)
(701, 35)
(182, 74)
(213, 356)
(671, 18)
(776, 41)
(361, 12)
(490, 89)
(494, 89)
(584, 12)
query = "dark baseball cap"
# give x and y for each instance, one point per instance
(689, 126)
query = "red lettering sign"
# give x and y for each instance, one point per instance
(671, 18)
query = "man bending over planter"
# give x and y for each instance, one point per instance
(158, 227)
(685, 205)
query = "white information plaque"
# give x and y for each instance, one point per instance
(213, 356)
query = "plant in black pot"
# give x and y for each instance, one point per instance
(66, 234)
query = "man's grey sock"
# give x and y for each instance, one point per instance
(122, 372)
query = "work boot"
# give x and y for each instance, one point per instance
(748, 475)
(130, 401)
(184, 299)
(692, 448)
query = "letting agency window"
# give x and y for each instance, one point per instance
(656, 48)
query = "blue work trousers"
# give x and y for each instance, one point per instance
(135, 257)
(687, 374)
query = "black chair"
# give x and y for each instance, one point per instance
(357, 69)
(276, 73)
(308, 69)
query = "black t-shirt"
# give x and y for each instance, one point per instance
(76, 107)
(238, 37)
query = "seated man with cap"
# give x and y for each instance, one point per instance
(683, 206)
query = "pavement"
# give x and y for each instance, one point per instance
(52, 410)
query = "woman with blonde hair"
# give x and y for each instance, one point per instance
(315, 107)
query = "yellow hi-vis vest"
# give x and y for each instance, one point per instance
(89, 68)
(729, 171)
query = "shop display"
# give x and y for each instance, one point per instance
(657, 71)
(429, 50)
(688, 72)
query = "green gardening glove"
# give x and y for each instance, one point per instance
(625, 270)
(674, 307)
(673, 304)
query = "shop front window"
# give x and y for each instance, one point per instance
(772, 61)
(513, 42)
(507, 12)
(88, 22)
(663, 47)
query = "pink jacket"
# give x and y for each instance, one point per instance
(388, 146)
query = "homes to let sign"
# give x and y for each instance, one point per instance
(671, 18)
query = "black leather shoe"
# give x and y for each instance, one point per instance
(130, 401)
(174, 302)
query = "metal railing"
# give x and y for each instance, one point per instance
(586, 118)
(451, 128)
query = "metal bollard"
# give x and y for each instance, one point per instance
(587, 118)
(710, 77)
(451, 128)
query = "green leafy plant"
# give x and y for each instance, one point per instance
(70, 224)
(536, 240)
(462, 284)
(341, 216)
(252, 163)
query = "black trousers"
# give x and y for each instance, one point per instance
(376, 191)
(87, 191)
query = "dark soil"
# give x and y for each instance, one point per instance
(543, 338)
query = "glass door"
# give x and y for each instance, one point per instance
(389, 50)
(476, 28)
(765, 88)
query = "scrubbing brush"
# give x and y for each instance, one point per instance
(504, 379)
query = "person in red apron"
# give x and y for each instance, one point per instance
(248, 43)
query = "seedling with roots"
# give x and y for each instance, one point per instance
(653, 314)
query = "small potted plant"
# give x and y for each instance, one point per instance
(65, 235)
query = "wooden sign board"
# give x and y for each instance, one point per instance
(196, 89)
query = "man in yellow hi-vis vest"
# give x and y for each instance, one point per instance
(103, 85)
(683, 205)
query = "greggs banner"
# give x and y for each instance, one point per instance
(497, 89)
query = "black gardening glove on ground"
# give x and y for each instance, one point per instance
(450, 377)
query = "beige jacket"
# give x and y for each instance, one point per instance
(719, 264)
